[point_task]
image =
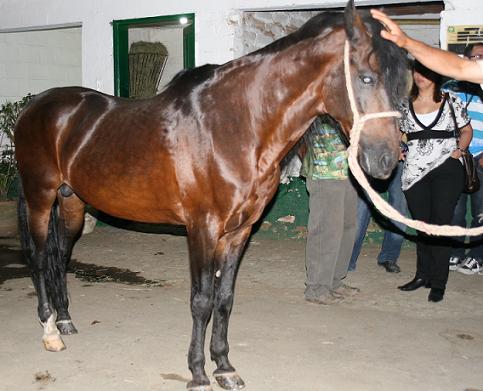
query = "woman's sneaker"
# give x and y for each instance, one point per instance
(471, 266)
(454, 263)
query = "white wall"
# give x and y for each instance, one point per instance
(32, 62)
(215, 23)
(428, 33)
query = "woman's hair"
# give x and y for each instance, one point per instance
(436, 78)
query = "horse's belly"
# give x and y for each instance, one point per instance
(141, 213)
(133, 199)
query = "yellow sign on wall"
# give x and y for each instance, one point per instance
(465, 34)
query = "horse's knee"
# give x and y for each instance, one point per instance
(224, 302)
(201, 305)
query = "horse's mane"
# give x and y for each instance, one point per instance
(187, 79)
(393, 62)
(392, 59)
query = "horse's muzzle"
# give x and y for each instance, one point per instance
(378, 164)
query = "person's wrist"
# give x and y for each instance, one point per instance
(405, 41)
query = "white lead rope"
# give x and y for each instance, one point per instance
(379, 202)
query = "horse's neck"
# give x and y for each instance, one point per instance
(290, 91)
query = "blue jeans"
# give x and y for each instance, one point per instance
(459, 218)
(393, 238)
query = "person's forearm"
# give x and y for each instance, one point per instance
(440, 61)
(465, 137)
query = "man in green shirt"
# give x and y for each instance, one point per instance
(332, 214)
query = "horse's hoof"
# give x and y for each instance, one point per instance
(53, 343)
(229, 380)
(204, 387)
(66, 327)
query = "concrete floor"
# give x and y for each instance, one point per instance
(135, 337)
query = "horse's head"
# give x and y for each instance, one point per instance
(378, 74)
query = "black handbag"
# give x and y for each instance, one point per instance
(472, 183)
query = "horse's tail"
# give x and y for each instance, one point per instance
(55, 266)
(23, 228)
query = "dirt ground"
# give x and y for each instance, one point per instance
(134, 337)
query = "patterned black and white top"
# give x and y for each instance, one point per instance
(425, 155)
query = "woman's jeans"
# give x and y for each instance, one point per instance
(432, 199)
(459, 218)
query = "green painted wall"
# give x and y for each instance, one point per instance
(287, 215)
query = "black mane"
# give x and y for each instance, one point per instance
(393, 62)
(392, 59)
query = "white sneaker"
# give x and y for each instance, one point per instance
(470, 266)
(454, 263)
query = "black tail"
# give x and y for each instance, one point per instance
(55, 265)
(25, 237)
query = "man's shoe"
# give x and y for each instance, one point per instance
(454, 263)
(391, 267)
(414, 284)
(471, 266)
(346, 290)
(326, 300)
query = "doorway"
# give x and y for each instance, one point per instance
(148, 52)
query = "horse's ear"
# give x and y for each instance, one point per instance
(353, 22)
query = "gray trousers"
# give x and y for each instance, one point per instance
(331, 234)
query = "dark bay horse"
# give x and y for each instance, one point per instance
(204, 153)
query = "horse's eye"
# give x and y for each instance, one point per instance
(367, 80)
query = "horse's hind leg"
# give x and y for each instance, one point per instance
(35, 225)
(228, 255)
(201, 253)
(71, 218)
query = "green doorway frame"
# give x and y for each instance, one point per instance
(121, 43)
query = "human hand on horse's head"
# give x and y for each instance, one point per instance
(392, 31)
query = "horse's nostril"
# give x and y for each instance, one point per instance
(386, 161)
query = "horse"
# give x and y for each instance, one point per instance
(204, 153)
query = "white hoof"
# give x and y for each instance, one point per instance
(53, 343)
(51, 338)
(89, 224)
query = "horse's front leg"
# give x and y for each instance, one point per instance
(228, 255)
(201, 252)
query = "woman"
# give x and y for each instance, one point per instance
(433, 175)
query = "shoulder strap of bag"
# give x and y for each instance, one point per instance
(456, 131)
